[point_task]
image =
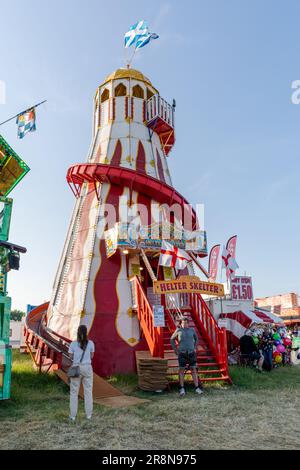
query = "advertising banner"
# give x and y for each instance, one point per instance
(241, 288)
(213, 262)
(188, 284)
(150, 237)
(111, 241)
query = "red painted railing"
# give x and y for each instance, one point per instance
(153, 335)
(43, 343)
(209, 329)
(170, 323)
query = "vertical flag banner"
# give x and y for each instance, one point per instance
(231, 248)
(26, 123)
(213, 262)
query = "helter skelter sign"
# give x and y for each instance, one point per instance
(188, 284)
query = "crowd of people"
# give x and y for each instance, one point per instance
(268, 346)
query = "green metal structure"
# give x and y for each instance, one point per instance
(12, 170)
(5, 303)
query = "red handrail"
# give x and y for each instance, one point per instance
(170, 321)
(206, 323)
(153, 335)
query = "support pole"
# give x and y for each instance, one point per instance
(199, 265)
(148, 266)
(25, 111)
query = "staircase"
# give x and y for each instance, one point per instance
(211, 351)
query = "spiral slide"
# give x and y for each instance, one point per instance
(49, 351)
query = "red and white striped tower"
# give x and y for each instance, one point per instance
(133, 132)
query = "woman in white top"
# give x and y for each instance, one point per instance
(82, 353)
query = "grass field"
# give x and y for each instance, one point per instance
(257, 412)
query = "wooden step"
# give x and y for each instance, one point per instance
(207, 364)
(173, 370)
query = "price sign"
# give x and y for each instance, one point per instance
(241, 288)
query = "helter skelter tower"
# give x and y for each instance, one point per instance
(133, 133)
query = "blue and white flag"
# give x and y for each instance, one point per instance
(143, 40)
(26, 123)
(136, 31)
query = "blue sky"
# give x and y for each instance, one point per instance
(230, 66)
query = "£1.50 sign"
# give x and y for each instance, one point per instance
(241, 288)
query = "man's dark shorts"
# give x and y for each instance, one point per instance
(187, 359)
(255, 356)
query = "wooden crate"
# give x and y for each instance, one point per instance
(152, 372)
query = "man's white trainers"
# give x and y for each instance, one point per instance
(181, 392)
(72, 419)
(198, 390)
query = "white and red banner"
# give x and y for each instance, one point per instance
(231, 248)
(241, 288)
(229, 263)
(213, 262)
(172, 256)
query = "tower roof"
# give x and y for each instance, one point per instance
(128, 73)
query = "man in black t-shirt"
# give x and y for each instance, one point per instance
(248, 348)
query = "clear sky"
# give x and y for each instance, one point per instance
(229, 64)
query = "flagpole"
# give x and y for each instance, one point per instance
(131, 59)
(25, 111)
(199, 264)
(221, 296)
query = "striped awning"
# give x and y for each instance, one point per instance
(239, 321)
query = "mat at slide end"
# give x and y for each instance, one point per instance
(104, 393)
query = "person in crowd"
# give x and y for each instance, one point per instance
(249, 349)
(185, 349)
(267, 343)
(82, 352)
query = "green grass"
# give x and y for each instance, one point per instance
(258, 411)
(279, 379)
(32, 393)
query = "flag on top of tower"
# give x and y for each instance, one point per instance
(139, 35)
(135, 32)
(26, 122)
(143, 40)
(172, 256)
